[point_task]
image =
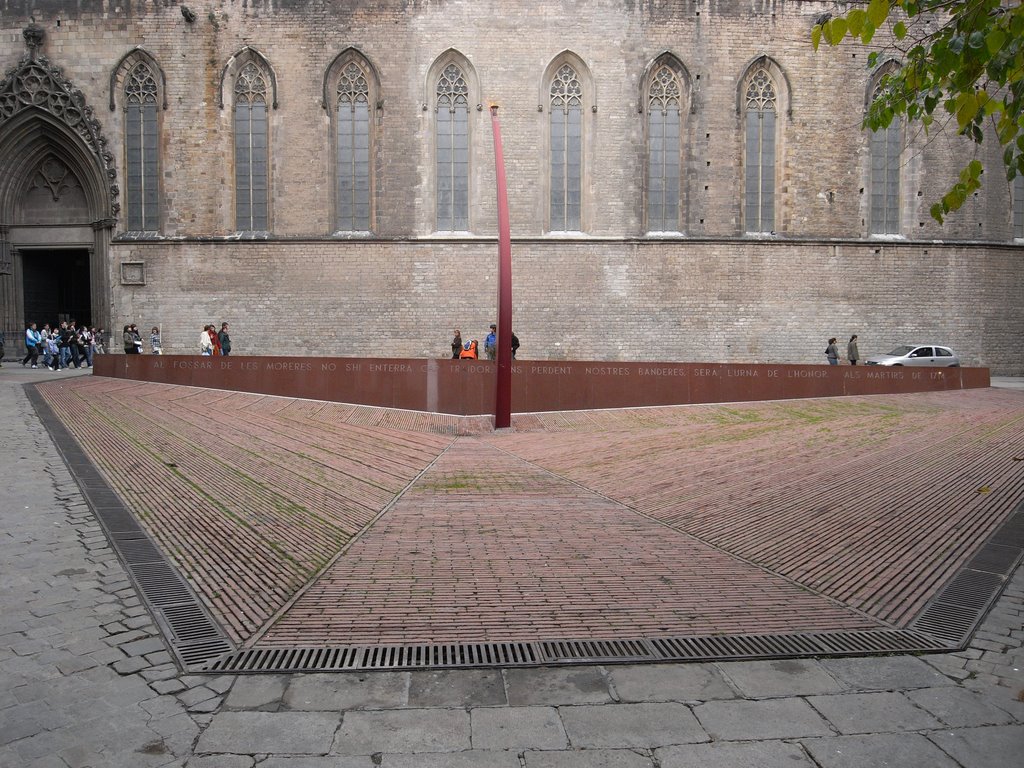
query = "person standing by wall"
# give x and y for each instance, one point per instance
(205, 341)
(469, 350)
(154, 340)
(129, 340)
(136, 338)
(832, 352)
(214, 339)
(225, 339)
(457, 344)
(491, 343)
(852, 353)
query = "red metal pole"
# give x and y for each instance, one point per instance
(503, 389)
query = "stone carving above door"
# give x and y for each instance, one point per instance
(35, 83)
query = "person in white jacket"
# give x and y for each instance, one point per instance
(206, 341)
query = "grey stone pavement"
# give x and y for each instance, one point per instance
(85, 681)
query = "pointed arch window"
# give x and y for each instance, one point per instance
(353, 149)
(452, 150)
(761, 99)
(664, 119)
(251, 150)
(566, 150)
(141, 150)
(886, 158)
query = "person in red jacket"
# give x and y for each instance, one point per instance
(469, 350)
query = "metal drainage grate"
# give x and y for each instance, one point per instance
(136, 548)
(190, 631)
(595, 650)
(527, 654)
(956, 611)
(194, 655)
(953, 614)
(995, 558)
(117, 520)
(336, 659)
(187, 622)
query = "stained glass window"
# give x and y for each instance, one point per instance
(141, 150)
(759, 189)
(452, 158)
(251, 150)
(663, 151)
(353, 150)
(886, 147)
(566, 126)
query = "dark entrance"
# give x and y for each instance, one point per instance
(57, 286)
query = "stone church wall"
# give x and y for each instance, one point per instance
(606, 293)
(701, 300)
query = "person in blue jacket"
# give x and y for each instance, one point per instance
(32, 339)
(491, 343)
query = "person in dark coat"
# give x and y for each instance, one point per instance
(852, 353)
(832, 352)
(225, 339)
(457, 344)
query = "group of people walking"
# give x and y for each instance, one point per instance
(852, 353)
(61, 346)
(214, 342)
(470, 350)
(211, 341)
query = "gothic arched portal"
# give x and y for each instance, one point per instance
(58, 199)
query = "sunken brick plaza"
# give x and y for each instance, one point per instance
(309, 523)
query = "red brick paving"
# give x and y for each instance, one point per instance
(760, 517)
(872, 501)
(485, 547)
(250, 495)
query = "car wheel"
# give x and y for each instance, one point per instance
(955, 365)
(897, 365)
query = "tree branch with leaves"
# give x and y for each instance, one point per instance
(961, 57)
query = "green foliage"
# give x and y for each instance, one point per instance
(966, 56)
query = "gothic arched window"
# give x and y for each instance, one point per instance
(353, 149)
(566, 150)
(761, 108)
(886, 151)
(664, 120)
(1018, 206)
(141, 139)
(452, 149)
(251, 150)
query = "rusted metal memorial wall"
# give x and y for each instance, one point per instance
(467, 388)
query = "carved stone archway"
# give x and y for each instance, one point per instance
(58, 185)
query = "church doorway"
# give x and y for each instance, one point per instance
(58, 199)
(56, 286)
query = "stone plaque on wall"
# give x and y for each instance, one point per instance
(133, 273)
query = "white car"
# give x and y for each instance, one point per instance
(917, 354)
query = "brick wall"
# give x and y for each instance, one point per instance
(682, 300)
